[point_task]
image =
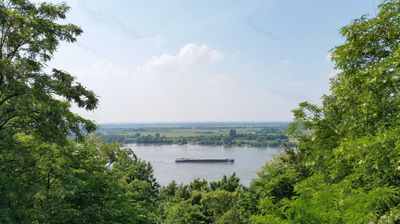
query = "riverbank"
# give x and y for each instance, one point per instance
(228, 134)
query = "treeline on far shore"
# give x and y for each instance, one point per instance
(263, 137)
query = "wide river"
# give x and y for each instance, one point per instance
(248, 160)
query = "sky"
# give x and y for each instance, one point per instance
(214, 61)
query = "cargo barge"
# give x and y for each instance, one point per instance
(186, 160)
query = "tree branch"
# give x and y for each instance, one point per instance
(7, 120)
(9, 97)
(11, 55)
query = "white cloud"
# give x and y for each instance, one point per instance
(189, 55)
(187, 86)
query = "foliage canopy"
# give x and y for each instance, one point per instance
(33, 99)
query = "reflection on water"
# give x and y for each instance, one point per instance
(248, 161)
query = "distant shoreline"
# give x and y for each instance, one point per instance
(189, 144)
(218, 134)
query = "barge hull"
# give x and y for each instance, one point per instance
(204, 160)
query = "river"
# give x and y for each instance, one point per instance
(248, 160)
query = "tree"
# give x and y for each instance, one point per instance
(86, 182)
(232, 133)
(45, 175)
(202, 202)
(183, 212)
(33, 100)
(35, 116)
(343, 169)
(230, 183)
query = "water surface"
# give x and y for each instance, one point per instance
(248, 160)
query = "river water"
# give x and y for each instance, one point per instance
(248, 160)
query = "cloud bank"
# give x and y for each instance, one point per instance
(187, 86)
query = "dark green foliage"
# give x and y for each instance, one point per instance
(31, 99)
(226, 183)
(345, 168)
(202, 202)
(74, 183)
(45, 176)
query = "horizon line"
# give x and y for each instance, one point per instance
(188, 122)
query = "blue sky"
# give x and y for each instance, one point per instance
(226, 60)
